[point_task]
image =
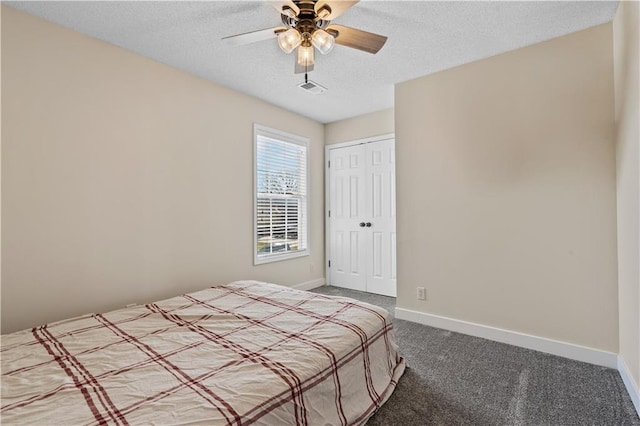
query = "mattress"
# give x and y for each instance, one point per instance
(243, 353)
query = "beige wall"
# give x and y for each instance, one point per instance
(506, 191)
(360, 127)
(124, 180)
(626, 48)
(0, 163)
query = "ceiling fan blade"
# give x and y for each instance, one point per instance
(358, 39)
(252, 37)
(338, 7)
(299, 69)
(277, 5)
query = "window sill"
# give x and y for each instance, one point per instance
(278, 257)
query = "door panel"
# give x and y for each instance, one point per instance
(355, 258)
(377, 254)
(362, 190)
(355, 182)
(338, 259)
(347, 201)
(381, 203)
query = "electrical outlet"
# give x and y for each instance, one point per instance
(422, 293)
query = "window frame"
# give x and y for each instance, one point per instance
(260, 130)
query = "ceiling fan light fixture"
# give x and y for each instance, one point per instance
(289, 40)
(323, 41)
(306, 56)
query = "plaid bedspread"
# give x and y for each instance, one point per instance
(243, 353)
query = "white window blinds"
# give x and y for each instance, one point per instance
(280, 195)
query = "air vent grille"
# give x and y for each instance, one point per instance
(312, 87)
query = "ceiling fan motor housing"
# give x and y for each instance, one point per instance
(307, 20)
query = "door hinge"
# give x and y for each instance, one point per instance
(329, 264)
(329, 164)
(329, 213)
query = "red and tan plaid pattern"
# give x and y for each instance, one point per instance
(243, 353)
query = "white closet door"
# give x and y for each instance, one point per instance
(347, 199)
(362, 221)
(381, 205)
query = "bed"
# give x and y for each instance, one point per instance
(242, 353)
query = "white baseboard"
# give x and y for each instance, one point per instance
(629, 383)
(554, 347)
(310, 285)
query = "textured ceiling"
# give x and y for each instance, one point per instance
(424, 37)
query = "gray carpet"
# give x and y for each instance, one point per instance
(454, 379)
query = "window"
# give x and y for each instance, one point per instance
(280, 204)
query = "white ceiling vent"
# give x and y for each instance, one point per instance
(312, 87)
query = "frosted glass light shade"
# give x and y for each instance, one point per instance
(305, 56)
(323, 41)
(289, 40)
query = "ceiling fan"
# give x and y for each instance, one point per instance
(307, 25)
